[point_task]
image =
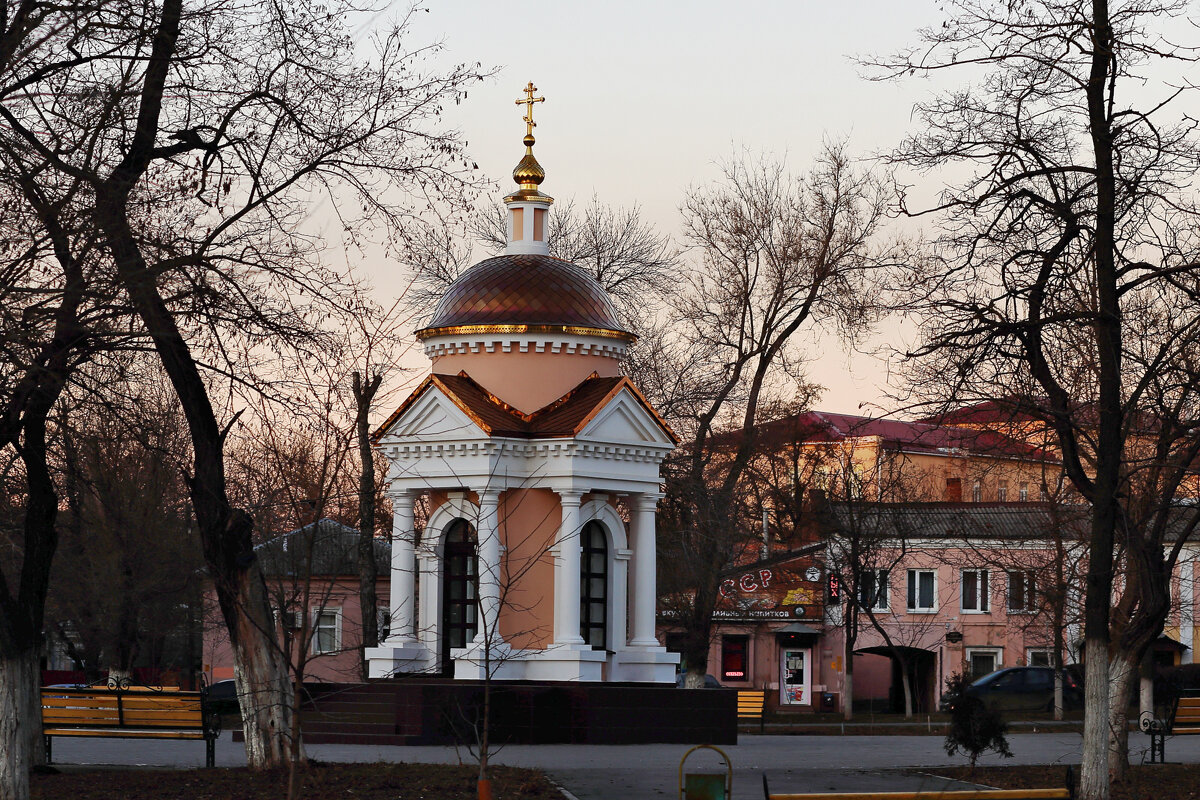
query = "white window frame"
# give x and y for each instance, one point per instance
(1002, 492)
(1023, 492)
(1028, 591)
(983, 591)
(881, 584)
(977, 491)
(316, 629)
(913, 574)
(1029, 651)
(998, 662)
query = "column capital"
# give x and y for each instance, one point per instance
(570, 497)
(400, 495)
(646, 501)
(489, 496)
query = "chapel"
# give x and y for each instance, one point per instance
(538, 463)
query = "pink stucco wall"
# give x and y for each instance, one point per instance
(340, 595)
(527, 381)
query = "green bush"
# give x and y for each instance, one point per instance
(974, 728)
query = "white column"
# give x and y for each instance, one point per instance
(566, 584)
(403, 592)
(642, 575)
(489, 567)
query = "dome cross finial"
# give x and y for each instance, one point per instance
(528, 118)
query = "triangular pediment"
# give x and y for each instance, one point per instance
(624, 419)
(433, 416)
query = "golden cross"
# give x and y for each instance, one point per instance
(528, 103)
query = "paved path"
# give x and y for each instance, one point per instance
(650, 772)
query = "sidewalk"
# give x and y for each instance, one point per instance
(650, 772)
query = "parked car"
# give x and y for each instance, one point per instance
(1022, 689)
(709, 681)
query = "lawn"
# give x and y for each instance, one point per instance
(348, 781)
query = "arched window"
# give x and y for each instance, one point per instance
(460, 589)
(593, 584)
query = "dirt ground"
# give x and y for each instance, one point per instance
(1145, 782)
(322, 781)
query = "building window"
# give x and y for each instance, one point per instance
(981, 661)
(975, 591)
(383, 622)
(1023, 492)
(327, 630)
(922, 594)
(735, 661)
(1021, 595)
(593, 583)
(1038, 657)
(518, 223)
(1002, 491)
(539, 224)
(873, 589)
(977, 491)
(460, 590)
(953, 490)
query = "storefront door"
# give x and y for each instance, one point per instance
(794, 677)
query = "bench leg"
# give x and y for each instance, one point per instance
(48, 751)
(210, 752)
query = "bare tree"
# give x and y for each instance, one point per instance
(196, 160)
(776, 253)
(1070, 239)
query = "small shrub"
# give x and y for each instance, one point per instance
(974, 728)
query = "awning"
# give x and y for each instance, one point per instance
(798, 627)
(1165, 642)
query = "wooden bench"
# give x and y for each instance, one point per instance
(1065, 793)
(1182, 719)
(140, 713)
(750, 705)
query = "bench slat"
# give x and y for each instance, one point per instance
(967, 794)
(123, 733)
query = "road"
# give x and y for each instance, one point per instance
(650, 772)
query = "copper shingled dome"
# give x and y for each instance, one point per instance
(525, 293)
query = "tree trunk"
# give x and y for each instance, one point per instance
(364, 393)
(1093, 772)
(906, 684)
(261, 672)
(1122, 672)
(20, 723)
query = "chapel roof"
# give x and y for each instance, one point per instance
(567, 416)
(518, 293)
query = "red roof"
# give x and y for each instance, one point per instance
(566, 416)
(822, 426)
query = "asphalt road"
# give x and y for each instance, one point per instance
(650, 772)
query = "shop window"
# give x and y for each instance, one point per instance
(735, 658)
(922, 594)
(975, 591)
(1020, 591)
(873, 589)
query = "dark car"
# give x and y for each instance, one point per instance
(1023, 689)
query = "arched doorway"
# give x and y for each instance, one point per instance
(593, 586)
(460, 590)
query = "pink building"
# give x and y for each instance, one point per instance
(312, 575)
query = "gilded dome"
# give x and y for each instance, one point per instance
(520, 293)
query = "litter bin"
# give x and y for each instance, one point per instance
(829, 701)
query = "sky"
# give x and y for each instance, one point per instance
(643, 99)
